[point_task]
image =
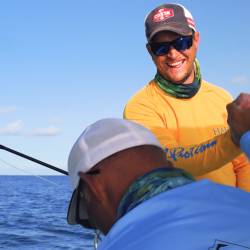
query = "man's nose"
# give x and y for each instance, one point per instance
(172, 53)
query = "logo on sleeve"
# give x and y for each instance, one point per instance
(183, 153)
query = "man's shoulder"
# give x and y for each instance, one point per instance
(144, 100)
(216, 90)
(146, 92)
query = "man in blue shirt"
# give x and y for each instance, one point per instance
(239, 122)
(125, 187)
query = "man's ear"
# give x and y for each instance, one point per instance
(93, 188)
(196, 39)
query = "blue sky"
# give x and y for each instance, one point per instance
(65, 64)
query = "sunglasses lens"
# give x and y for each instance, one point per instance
(160, 49)
(182, 43)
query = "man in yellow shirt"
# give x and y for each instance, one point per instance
(180, 105)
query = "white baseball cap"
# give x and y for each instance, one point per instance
(99, 141)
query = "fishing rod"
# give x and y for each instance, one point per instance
(33, 159)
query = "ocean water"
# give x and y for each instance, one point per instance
(33, 215)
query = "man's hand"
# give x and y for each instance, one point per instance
(239, 116)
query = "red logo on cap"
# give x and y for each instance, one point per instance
(163, 14)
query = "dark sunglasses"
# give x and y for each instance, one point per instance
(79, 220)
(181, 43)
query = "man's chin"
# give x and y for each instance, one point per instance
(176, 80)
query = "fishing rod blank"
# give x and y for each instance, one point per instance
(34, 160)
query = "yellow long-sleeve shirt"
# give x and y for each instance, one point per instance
(193, 131)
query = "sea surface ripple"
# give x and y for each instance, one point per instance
(33, 215)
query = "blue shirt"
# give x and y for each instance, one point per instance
(197, 216)
(245, 143)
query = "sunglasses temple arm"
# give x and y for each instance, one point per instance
(34, 160)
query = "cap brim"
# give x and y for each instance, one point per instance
(72, 211)
(179, 29)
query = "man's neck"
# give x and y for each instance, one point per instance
(147, 186)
